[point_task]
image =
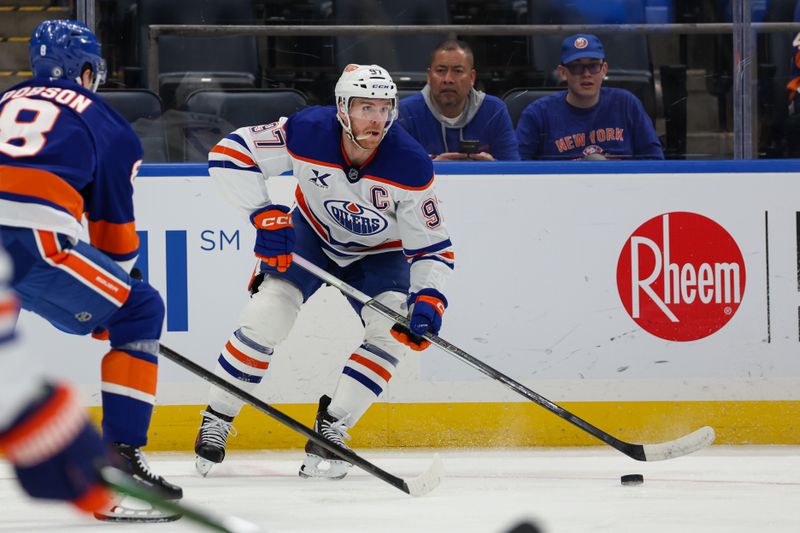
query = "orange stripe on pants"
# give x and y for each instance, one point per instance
(107, 285)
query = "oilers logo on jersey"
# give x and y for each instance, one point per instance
(354, 218)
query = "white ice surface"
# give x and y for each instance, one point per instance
(722, 489)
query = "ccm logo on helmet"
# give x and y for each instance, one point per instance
(681, 276)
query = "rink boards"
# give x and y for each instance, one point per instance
(648, 298)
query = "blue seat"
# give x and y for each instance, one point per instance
(406, 57)
(628, 54)
(210, 115)
(517, 100)
(143, 110)
(187, 63)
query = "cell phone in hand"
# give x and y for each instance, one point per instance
(468, 147)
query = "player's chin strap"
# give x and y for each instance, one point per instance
(648, 452)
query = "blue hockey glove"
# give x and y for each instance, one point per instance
(425, 310)
(56, 451)
(275, 236)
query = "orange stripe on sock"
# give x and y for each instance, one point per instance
(244, 358)
(43, 185)
(114, 238)
(375, 367)
(121, 368)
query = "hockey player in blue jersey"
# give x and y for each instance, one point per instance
(587, 121)
(367, 211)
(65, 154)
(44, 431)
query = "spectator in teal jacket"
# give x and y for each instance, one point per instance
(449, 111)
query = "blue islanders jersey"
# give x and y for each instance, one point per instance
(616, 127)
(65, 153)
(387, 204)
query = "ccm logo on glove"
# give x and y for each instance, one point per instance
(271, 221)
(275, 236)
(425, 310)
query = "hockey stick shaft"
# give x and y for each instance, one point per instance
(639, 452)
(124, 484)
(286, 420)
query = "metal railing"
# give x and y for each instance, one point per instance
(743, 44)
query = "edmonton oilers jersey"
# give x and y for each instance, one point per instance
(387, 204)
(64, 152)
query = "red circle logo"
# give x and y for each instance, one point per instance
(681, 276)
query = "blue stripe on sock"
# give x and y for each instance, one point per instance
(364, 380)
(383, 354)
(251, 343)
(238, 374)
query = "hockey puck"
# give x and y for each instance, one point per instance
(632, 479)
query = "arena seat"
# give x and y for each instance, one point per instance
(405, 57)
(210, 115)
(628, 54)
(517, 100)
(187, 63)
(143, 110)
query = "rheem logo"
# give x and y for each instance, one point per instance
(681, 276)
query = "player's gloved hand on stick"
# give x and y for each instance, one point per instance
(425, 310)
(56, 451)
(275, 236)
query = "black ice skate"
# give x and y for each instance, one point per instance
(132, 461)
(333, 430)
(211, 440)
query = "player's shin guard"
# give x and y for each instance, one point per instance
(129, 376)
(364, 377)
(243, 362)
(367, 372)
(128, 388)
(266, 320)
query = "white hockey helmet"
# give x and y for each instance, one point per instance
(363, 81)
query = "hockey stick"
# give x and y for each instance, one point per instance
(124, 484)
(684, 445)
(422, 484)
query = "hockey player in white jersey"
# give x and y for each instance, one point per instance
(366, 211)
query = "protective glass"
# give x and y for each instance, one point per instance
(577, 68)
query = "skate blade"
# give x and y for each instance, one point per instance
(311, 468)
(203, 466)
(130, 509)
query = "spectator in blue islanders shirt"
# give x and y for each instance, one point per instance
(449, 110)
(587, 121)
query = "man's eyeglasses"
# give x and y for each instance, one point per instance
(579, 68)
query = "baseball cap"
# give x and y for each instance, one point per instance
(579, 46)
